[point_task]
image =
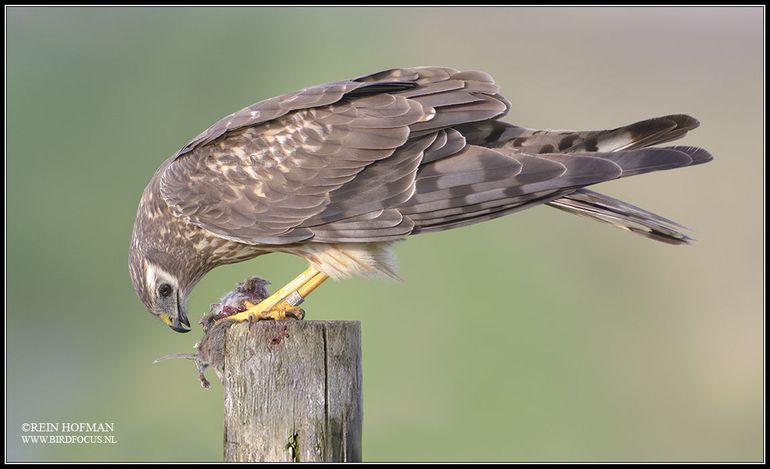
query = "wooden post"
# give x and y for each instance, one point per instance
(292, 391)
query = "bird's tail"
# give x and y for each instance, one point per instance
(612, 144)
(496, 134)
(623, 215)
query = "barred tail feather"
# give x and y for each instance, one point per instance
(623, 215)
(640, 134)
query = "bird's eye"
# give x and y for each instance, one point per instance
(164, 289)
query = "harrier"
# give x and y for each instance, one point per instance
(338, 173)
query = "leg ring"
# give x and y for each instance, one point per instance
(294, 299)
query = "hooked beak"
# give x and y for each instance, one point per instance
(175, 323)
(175, 326)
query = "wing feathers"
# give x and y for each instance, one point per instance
(403, 151)
(448, 142)
(540, 177)
(328, 154)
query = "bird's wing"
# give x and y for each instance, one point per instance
(271, 172)
(541, 179)
(385, 155)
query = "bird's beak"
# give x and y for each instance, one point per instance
(175, 323)
(181, 314)
(177, 327)
(181, 317)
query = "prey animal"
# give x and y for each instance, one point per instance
(337, 173)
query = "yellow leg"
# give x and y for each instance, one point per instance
(283, 303)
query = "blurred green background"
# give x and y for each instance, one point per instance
(535, 337)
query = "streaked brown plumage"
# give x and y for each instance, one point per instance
(336, 173)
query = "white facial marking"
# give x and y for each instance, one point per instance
(155, 275)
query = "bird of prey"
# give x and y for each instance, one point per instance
(337, 173)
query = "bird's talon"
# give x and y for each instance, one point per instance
(298, 314)
(283, 311)
(279, 312)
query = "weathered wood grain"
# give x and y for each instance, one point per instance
(292, 391)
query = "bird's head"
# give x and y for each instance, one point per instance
(163, 290)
